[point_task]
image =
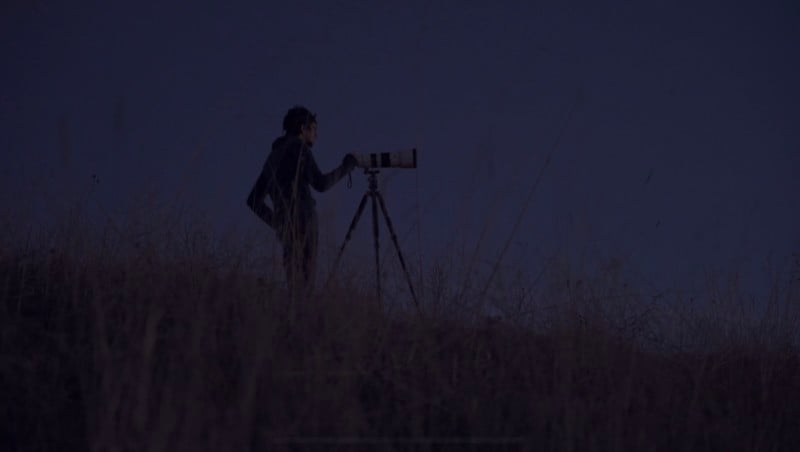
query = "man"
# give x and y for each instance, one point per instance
(287, 175)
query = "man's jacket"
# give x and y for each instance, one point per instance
(287, 177)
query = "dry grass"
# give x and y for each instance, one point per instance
(168, 343)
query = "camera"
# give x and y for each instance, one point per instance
(399, 159)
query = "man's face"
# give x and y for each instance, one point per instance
(308, 133)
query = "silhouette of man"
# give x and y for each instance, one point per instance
(287, 176)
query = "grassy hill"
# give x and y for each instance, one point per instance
(147, 350)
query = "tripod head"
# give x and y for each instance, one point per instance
(372, 178)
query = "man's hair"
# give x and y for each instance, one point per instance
(296, 118)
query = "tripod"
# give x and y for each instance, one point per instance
(372, 192)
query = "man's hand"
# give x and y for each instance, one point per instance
(349, 162)
(260, 208)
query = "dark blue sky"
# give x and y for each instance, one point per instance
(681, 154)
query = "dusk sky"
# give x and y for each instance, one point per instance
(679, 144)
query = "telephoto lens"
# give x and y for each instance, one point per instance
(398, 159)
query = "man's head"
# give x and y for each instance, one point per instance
(300, 122)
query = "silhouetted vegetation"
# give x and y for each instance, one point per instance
(141, 348)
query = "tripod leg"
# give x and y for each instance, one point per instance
(377, 245)
(397, 246)
(352, 227)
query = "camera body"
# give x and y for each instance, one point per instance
(399, 159)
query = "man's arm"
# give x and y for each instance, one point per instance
(323, 182)
(255, 200)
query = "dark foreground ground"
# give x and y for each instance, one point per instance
(151, 354)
